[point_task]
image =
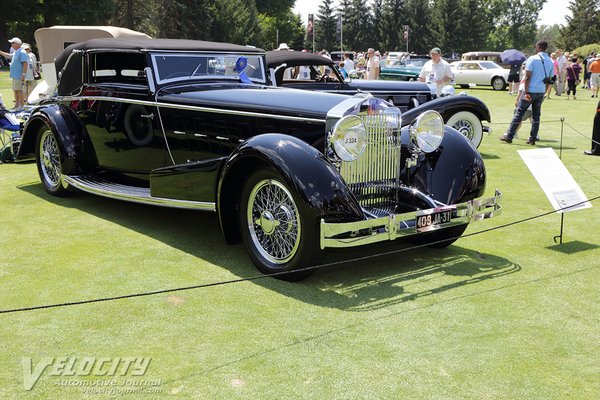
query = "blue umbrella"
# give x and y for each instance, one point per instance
(512, 57)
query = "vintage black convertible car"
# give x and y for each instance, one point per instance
(195, 125)
(308, 71)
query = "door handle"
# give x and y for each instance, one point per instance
(148, 116)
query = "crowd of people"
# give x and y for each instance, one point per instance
(532, 82)
(24, 70)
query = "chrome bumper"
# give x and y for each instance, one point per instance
(350, 234)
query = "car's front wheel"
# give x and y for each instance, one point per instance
(468, 124)
(277, 236)
(49, 162)
(498, 83)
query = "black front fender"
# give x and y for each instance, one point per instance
(307, 172)
(452, 174)
(65, 125)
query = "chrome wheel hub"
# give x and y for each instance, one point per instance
(465, 128)
(267, 222)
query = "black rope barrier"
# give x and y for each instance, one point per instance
(315, 267)
(580, 134)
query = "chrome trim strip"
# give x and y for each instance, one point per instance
(192, 108)
(402, 225)
(143, 196)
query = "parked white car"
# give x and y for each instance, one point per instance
(482, 73)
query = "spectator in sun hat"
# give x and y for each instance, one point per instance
(32, 70)
(436, 71)
(18, 69)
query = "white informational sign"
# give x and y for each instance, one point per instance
(555, 180)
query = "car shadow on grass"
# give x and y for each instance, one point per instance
(401, 275)
(356, 279)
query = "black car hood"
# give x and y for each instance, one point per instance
(253, 98)
(366, 85)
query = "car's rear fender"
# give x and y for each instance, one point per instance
(68, 131)
(447, 106)
(314, 180)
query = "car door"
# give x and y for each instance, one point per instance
(118, 112)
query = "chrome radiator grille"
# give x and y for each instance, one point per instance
(374, 176)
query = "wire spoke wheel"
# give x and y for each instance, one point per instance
(49, 159)
(464, 127)
(49, 163)
(273, 221)
(469, 125)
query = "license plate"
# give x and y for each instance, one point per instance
(425, 222)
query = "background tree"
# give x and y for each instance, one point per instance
(376, 13)
(446, 35)
(22, 18)
(421, 36)
(390, 28)
(474, 26)
(515, 23)
(288, 26)
(139, 15)
(361, 21)
(551, 34)
(325, 26)
(180, 18)
(274, 8)
(234, 21)
(583, 26)
(346, 10)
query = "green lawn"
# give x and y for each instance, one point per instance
(507, 314)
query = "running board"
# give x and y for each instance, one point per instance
(101, 187)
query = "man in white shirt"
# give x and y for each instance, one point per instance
(436, 71)
(372, 65)
(348, 63)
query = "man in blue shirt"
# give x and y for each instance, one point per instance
(18, 68)
(539, 70)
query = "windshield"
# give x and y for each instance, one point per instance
(175, 67)
(415, 63)
(409, 62)
(489, 65)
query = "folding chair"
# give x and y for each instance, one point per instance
(9, 135)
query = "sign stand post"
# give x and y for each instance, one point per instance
(562, 215)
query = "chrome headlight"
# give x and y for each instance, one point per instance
(349, 138)
(427, 131)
